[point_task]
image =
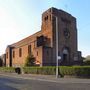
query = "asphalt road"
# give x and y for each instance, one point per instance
(14, 83)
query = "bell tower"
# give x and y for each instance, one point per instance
(67, 35)
(46, 27)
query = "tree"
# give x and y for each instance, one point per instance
(87, 62)
(30, 60)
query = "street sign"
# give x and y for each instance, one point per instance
(59, 57)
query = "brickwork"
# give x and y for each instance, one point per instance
(45, 51)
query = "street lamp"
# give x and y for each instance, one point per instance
(56, 47)
(57, 57)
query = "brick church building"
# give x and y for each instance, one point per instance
(42, 45)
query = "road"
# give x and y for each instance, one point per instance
(16, 83)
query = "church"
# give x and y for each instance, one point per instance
(56, 24)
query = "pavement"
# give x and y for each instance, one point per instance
(48, 78)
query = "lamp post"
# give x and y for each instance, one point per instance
(56, 46)
(57, 57)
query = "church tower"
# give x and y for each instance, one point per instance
(67, 35)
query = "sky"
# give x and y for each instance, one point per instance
(22, 18)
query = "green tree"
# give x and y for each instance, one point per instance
(87, 62)
(30, 60)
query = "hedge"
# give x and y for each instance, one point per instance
(7, 69)
(49, 70)
(82, 71)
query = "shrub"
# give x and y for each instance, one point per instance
(40, 70)
(80, 71)
(86, 62)
(83, 71)
(7, 69)
(32, 70)
(47, 70)
(30, 61)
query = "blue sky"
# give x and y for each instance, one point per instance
(21, 18)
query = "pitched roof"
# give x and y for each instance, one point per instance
(26, 40)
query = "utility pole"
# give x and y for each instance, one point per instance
(57, 57)
(56, 47)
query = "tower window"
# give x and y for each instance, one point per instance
(46, 18)
(50, 17)
(20, 52)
